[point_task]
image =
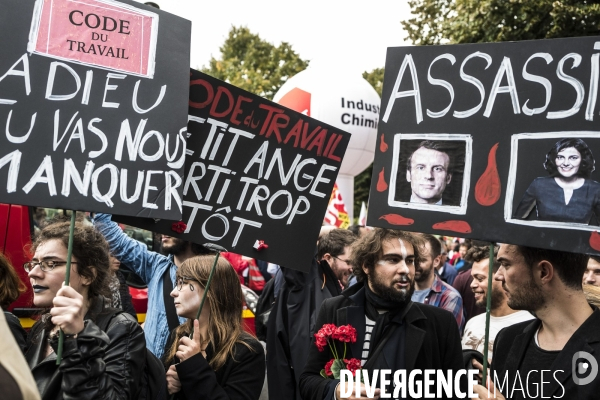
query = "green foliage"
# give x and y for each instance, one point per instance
(375, 78)
(474, 21)
(336, 367)
(429, 22)
(253, 64)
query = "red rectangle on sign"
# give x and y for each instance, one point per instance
(102, 33)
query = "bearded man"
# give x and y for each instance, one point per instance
(429, 287)
(392, 332)
(557, 354)
(501, 315)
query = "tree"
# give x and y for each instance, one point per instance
(362, 181)
(253, 64)
(472, 21)
(375, 78)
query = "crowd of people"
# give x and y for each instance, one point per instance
(415, 301)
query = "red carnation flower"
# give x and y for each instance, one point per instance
(320, 341)
(328, 330)
(345, 333)
(179, 227)
(352, 365)
(328, 367)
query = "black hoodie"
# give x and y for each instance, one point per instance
(292, 324)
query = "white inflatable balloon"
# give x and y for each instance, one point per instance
(347, 102)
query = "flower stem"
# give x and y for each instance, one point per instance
(332, 348)
(344, 350)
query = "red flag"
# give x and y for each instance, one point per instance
(336, 214)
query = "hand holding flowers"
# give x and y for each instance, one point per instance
(328, 336)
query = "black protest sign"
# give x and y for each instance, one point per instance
(93, 106)
(492, 141)
(256, 172)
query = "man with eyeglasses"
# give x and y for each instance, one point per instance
(292, 321)
(156, 270)
(333, 253)
(392, 332)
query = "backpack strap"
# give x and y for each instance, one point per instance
(172, 319)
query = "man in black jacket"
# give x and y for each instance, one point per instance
(557, 354)
(291, 323)
(392, 332)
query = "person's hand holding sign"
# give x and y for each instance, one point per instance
(173, 383)
(489, 393)
(478, 365)
(190, 347)
(68, 311)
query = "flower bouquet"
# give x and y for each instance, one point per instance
(331, 336)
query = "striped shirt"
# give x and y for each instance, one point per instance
(367, 343)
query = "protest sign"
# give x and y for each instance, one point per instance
(258, 176)
(93, 102)
(492, 141)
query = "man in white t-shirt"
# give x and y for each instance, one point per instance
(501, 315)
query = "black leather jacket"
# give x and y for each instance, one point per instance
(95, 364)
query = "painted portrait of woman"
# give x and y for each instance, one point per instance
(567, 194)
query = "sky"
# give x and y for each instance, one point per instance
(352, 34)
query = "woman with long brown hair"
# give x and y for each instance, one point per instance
(11, 288)
(220, 360)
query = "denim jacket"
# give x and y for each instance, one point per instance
(150, 266)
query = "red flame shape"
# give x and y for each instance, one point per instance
(396, 219)
(488, 187)
(381, 183)
(595, 240)
(454, 226)
(383, 145)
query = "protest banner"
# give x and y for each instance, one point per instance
(492, 141)
(93, 101)
(258, 176)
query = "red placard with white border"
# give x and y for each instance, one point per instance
(96, 32)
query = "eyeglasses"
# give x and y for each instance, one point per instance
(44, 265)
(180, 282)
(345, 261)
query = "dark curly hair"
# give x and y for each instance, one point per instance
(11, 286)
(89, 247)
(369, 249)
(587, 166)
(478, 253)
(335, 242)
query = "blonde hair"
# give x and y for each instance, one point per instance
(224, 300)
